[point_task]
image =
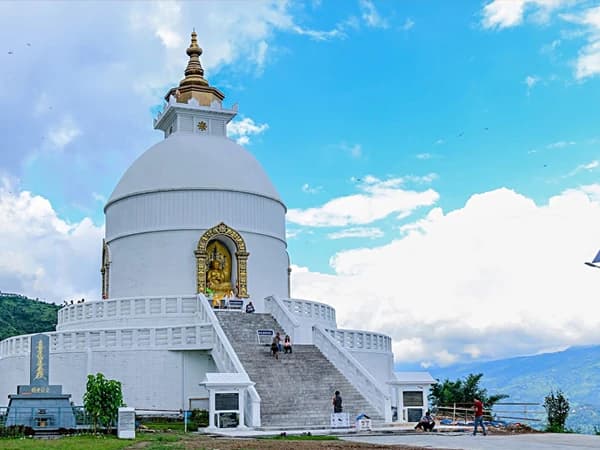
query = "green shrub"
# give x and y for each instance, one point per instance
(16, 431)
(557, 408)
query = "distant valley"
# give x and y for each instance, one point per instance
(576, 371)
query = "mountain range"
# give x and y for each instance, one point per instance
(575, 371)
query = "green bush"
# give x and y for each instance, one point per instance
(102, 400)
(557, 408)
(462, 392)
(16, 431)
(200, 417)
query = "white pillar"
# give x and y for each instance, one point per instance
(241, 403)
(211, 408)
(400, 392)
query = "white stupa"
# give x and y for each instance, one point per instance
(184, 188)
(193, 221)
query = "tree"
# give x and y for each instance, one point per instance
(462, 392)
(102, 400)
(557, 408)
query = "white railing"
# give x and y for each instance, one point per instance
(315, 311)
(283, 316)
(192, 336)
(227, 361)
(127, 309)
(361, 340)
(358, 376)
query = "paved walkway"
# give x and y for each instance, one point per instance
(542, 441)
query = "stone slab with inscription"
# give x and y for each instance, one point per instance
(40, 405)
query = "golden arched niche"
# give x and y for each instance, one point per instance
(212, 251)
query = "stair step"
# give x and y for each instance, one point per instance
(297, 388)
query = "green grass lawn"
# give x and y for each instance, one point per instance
(158, 441)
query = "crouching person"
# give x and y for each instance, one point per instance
(426, 423)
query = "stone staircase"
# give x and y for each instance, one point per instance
(297, 389)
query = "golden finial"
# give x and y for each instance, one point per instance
(194, 85)
(194, 73)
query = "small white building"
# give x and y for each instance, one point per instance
(196, 215)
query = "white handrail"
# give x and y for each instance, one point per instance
(360, 378)
(361, 340)
(227, 360)
(283, 316)
(311, 310)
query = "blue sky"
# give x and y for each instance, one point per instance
(439, 160)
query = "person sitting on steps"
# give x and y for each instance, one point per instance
(275, 348)
(287, 344)
(426, 423)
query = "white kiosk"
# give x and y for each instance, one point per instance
(226, 403)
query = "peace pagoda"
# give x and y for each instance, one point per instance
(194, 231)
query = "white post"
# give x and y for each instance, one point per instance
(241, 405)
(400, 392)
(211, 408)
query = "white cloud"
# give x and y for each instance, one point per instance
(498, 277)
(241, 130)
(311, 189)
(377, 200)
(551, 47)
(424, 179)
(531, 81)
(424, 156)
(371, 16)
(588, 61)
(320, 35)
(560, 144)
(357, 232)
(354, 150)
(582, 167)
(63, 133)
(502, 14)
(42, 255)
(509, 13)
(99, 197)
(408, 24)
(440, 142)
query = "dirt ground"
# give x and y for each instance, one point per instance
(212, 443)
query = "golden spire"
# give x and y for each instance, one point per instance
(194, 73)
(194, 85)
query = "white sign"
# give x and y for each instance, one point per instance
(363, 424)
(126, 427)
(340, 420)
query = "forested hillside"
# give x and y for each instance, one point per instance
(575, 371)
(22, 315)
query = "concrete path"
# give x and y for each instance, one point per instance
(545, 441)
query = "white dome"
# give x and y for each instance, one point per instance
(189, 161)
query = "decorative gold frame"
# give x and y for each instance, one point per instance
(241, 256)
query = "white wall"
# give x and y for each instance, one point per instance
(13, 372)
(163, 263)
(195, 209)
(380, 365)
(156, 379)
(152, 239)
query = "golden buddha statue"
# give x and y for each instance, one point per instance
(218, 276)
